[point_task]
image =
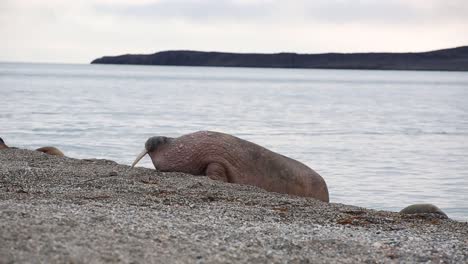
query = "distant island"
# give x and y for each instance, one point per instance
(455, 59)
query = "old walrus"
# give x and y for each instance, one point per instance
(228, 158)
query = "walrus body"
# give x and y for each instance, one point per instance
(423, 209)
(2, 144)
(47, 150)
(51, 151)
(227, 158)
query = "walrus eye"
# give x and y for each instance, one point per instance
(139, 157)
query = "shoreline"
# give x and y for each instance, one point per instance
(85, 63)
(57, 209)
(268, 68)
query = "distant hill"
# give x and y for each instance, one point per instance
(455, 59)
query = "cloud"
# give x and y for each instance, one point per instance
(275, 11)
(190, 10)
(79, 31)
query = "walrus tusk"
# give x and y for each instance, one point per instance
(140, 156)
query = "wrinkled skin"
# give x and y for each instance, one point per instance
(227, 158)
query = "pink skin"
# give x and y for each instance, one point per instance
(227, 158)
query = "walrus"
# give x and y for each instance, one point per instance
(51, 151)
(230, 159)
(2, 144)
(423, 209)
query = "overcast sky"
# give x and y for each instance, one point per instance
(78, 31)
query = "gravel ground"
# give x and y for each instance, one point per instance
(55, 209)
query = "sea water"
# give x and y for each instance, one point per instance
(381, 139)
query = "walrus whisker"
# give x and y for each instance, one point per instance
(139, 157)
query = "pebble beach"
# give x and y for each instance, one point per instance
(60, 209)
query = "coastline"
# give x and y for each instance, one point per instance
(452, 59)
(68, 210)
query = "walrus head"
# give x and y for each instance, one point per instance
(151, 145)
(2, 144)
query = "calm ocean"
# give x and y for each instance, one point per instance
(381, 139)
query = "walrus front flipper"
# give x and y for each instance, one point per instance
(216, 172)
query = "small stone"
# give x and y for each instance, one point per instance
(377, 245)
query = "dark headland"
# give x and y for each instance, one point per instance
(455, 59)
